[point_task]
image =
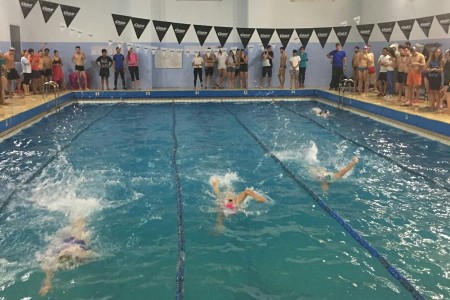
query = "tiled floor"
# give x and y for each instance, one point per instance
(20, 104)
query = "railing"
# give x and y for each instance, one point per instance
(346, 85)
(45, 89)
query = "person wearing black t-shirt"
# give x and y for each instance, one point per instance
(104, 62)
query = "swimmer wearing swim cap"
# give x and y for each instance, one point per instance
(229, 202)
(326, 178)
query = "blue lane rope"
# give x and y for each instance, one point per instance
(391, 160)
(49, 160)
(384, 262)
(181, 240)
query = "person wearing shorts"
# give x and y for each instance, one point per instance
(237, 66)
(210, 59)
(416, 62)
(26, 68)
(266, 58)
(35, 61)
(231, 65)
(222, 58)
(11, 73)
(78, 59)
(133, 67)
(294, 63)
(243, 69)
(435, 66)
(104, 62)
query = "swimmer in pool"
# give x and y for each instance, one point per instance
(229, 202)
(72, 251)
(326, 178)
(321, 113)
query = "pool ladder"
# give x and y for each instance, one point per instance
(45, 89)
(346, 85)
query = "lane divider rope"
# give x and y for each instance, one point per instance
(181, 239)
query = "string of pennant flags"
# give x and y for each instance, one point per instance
(245, 34)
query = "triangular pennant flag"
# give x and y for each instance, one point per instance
(79, 33)
(161, 28)
(180, 30)
(91, 36)
(386, 29)
(323, 34)
(179, 50)
(27, 6)
(343, 23)
(129, 45)
(202, 32)
(223, 33)
(285, 36)
(139, 26)
(120, 22)
(110, 42)
(357, 20)
(245, 34)
(69, 13)
(265, 35)
(365, 31)
(444, 20)
(146, 49)
(72, 31)
(406, 27)
(425, 24)
(138, 47)
(119, 44)
(304, 35)
(62, 27)
(261, 46)
(154, 50)
(250, 47)
(48, 9)
(342, 33)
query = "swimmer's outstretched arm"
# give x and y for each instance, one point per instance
(347, 168)
(251, 193)
(215, 185)
(47, 283)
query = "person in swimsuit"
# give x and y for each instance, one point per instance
(243, 69)
(71, 251)
(326, 178)
(321, 113)
(78, 59)
(229, 202)
(57, 71)
(2, 77)
(363, 62)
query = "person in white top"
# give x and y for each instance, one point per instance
(384, 62)
(26, 68)
(294, 63)
(197, 63)
(222, 57)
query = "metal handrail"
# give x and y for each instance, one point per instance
(45, 87)
(345, 85)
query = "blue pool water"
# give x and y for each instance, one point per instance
(112, 164)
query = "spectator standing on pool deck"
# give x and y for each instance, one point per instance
(47, 65)
(371, 68)
(402, 73)
(133, 67)
(446, 89)
(383, 62)
(355, 62)
(57, 71)
(12, 74)
(243, 70)
(363, 71)
(197, 63)
(283, 67)
(237, 67)
(339, 61)
(210, 59)
(416, 63)
(104, 62)
(222, 57)
(231, 66)
(119, 67)
(435, 68)
(35, 60)
(294, 62)
(26, 69)
(78, 59)
(266, 58)
(2, 77)
(303, 65)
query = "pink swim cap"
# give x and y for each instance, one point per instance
(230, 206)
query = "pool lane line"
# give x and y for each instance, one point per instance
(391, 160)
(49, 160)
(181, 240)
(366, 245)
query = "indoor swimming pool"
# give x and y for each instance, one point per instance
(140, 175)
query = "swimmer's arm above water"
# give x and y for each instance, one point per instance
(47, 283)
(251, 193)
